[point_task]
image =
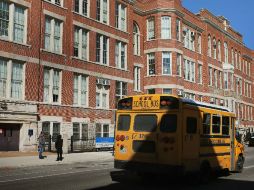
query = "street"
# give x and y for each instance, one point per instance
(96, 175)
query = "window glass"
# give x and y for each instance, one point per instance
(225, 126)
(123, 123)
(145, 123)
(191, 124)
(206, 123)
(216, 124)
(76, 131)
(168, 123)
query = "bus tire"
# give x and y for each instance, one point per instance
(239, 164)
(205, 173)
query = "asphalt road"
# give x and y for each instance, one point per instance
(96, 176)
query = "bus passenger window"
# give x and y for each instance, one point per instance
(168, 123)
(206, 123)
(191, 124)
(145, 123)
(216, 124)
(123, 123)
(225, 125)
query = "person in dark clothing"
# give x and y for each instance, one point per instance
(59, 147)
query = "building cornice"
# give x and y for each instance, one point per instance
(158, 10)
(221, 30)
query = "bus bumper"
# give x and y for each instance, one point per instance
(149, 167)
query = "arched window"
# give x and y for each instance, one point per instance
(219, 51)
(136, 39)
(209, 50)
(214, 48)
(225, 52)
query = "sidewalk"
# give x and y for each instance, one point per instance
(18, 159)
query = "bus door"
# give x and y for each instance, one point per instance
(167, 141)
(191, 139)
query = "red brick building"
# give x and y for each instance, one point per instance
(64, 63)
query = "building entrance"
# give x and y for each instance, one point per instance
(9, 137)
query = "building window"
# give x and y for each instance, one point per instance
(11, 79)
(189, 95)
(120, 13)
(232, 56)
(51, 128)
(189, 39)
(214, 49)
(80, 43)
(102, 11)
(199, 43)
(102, 130)
(102, 47)
(121, 90)
(225, 80)
(151, 91)
(80, 90)
(53, 35)
(220, 79)
(136, 39)
(209, 46)
(219, 51)
(167, 91)
(166, 27)
(14, 29)
(150, 28)
(121, 55)
(178, 29)
(137, 78)
(82, 7)
(200, 71)
(57, 2)
(52, 85)
(151, 63)
(215, 78)
(225, 52)
(80, 131)
(179, 65)
(189, 70)
(210, 76)
(166, 63)
(102, 96)
(240, 62)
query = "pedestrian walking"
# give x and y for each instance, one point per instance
(41, 144)
(59, 148)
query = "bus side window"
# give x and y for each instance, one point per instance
(191, 124)
(225, 125)
(216, 124)
(206, 123)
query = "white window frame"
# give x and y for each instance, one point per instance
(165, 27)
(210, 74)
(119, 48)
(225, 52)
(168, 69)
(81, 90)
(214, 48)
(137, 83)
(167, 90)
(101, 49)
(209, 46)
(11, 23)
(9, 79)
(200, 73)
(51, 128)
(150, 57)
(50, 86)
(150, 25)
(219, 50)
(121, 17)
(56, 2)
(102, 132)
(102, 90)
(80, 126)
(102, 11)
(80, 7)
(199, 44)
(189, 70)
(179, 65)
(81, 49)
(51, 35)
(136, 40)
(232, 56)
(178, 29)
(121, 93)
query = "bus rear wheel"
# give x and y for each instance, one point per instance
(239, 164)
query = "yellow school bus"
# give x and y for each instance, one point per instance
(158, 133)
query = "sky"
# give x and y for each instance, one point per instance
(239, 13)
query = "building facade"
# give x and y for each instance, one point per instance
(65, 63)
